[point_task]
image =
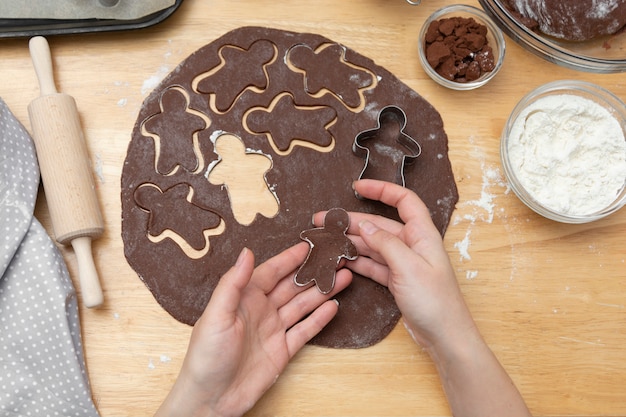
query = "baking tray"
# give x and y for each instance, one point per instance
(25, 28)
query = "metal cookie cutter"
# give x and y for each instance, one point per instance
(386, 148)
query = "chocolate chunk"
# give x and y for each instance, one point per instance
(474, 41)
(473, 71)
(437, 52)
(447, 26)
(432, 33)
(486, 59)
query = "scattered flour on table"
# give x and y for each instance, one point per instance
(99, 168)
(151, 82)
(569, 153)
(482, 209)
(463, 246)
(120, 87)
(471, 274)
(162, 359)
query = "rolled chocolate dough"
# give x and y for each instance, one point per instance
(233, 85)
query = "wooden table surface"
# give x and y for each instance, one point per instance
(549, 298)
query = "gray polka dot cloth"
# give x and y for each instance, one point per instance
(42, 368)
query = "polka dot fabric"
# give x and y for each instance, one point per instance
(42, 368)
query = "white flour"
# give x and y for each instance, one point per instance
(569, 153)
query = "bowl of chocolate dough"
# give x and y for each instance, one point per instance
(583, 35)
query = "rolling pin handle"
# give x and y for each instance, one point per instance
(42, 61)
(88, 276)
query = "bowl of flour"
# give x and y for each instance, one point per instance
(563, 150)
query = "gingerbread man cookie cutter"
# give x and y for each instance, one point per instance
(390, 150)
(328, 245)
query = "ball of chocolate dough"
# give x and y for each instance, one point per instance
(572, 20)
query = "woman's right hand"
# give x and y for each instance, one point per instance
(409, 258)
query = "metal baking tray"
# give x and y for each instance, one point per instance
(25, 28)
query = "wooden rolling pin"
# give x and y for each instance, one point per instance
(65, 171)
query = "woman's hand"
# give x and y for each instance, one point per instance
(410, 259)
(253, 325)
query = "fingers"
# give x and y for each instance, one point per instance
(269, 273)
(312, 304)
(370, 268)
(417, 229)
(409, 205)
(395, 252)
(356, 217)
(364, 250)
(303, 302)
(275, 278)
(305, 330)
(227, 293)
(411, 208)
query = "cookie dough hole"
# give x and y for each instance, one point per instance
(189, 251)
(242, 173)
(165, 207)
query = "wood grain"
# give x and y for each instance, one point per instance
(548, 297)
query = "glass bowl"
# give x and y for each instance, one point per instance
(495, 39)
(549, 175)
(602, 55)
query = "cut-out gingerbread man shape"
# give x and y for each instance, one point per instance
(243, 174)
(175, 127)
(328, 246)
(166, 207)
(386, 148)
(312, 127)
(249, 67)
